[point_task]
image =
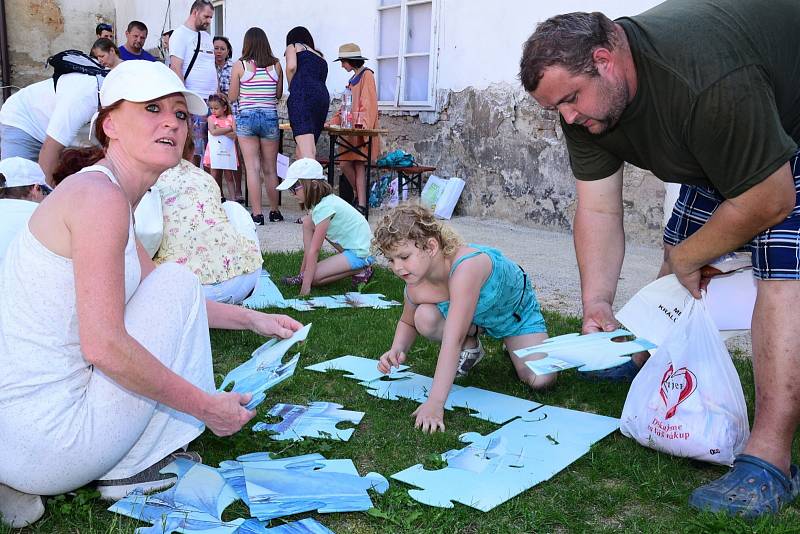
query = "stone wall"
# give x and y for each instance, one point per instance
(39, 28)
(512, 156)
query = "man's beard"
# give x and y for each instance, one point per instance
(616, 99)
(202, 26)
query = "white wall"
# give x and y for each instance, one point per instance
(154, 14)
(480, 41)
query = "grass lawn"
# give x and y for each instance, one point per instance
(618, 486)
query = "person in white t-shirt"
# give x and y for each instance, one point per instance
(22, 187)
(37, 122)
(202, 78)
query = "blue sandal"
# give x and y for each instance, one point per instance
(751, 488)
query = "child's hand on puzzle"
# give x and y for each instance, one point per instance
(429, 417)
(391, 358)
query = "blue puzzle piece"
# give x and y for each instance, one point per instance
(568, 427)
(264, 369)
(489, 405)
(265, 295)
(198, 497)
(233, 472)
(590, 352)
(317, 420)
(277, 491)
(362, 369)
(407, 386)
(484, 480)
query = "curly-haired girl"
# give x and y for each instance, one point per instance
(453, 293)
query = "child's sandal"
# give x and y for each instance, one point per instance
(469, 358)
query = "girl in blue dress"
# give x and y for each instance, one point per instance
(453, 293)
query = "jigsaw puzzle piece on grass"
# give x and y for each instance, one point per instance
(264, 369)
(361, 369)
(489, 405)
(558, 425)
(199, 495)
(335, 486)
(317, 420)
(589, 352)
(233, 472)
(265, 295)
(406, 386)
(483, 479)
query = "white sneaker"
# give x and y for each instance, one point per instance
(17, 509)
(469, 358)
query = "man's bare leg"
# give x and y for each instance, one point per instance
(776, 362)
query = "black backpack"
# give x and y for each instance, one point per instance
(76, 61)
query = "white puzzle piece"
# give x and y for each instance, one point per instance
(361, 369)
(589, 352)
(317, 420)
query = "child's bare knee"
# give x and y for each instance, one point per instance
(534, 381)
(426, 320)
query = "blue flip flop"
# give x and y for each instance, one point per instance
(753, 487)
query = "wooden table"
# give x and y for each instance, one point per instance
(338, 139)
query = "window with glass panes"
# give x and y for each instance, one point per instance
(406, 53)
(218, 24)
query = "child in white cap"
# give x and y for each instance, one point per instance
(330, 218)
(22, 187)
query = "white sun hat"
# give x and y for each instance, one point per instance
(20, 172)
(143, 81)
(302, 169)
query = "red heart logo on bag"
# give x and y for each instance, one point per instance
(676, 387)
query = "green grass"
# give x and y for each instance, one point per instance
(618, 486)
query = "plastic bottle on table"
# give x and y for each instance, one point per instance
(347, 107)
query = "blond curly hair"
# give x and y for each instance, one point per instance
(414, 223)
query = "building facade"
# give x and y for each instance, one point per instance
(447, 84)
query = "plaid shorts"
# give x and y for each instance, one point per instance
(200, 134)
(775, 252)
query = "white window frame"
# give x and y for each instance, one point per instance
(433, 53)
(216, 4)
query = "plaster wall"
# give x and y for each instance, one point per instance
(39, 28)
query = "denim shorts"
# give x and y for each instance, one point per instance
(258, 122)
(17, 142)
(357, 262)
(775, 252)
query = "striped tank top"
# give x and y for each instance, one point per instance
(260, 89)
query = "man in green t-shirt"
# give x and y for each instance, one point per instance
(703, 93)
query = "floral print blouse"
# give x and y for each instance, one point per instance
(197, 233)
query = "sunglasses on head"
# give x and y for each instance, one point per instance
(104, 27)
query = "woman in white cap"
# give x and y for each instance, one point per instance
(22, 187)
(364, 114)
(107, 361)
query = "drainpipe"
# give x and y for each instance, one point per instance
(5, 62)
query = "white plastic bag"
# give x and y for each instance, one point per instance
(687, 399)
(222, 152)
(149, 221)
(447, 202)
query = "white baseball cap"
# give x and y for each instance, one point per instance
(20, 172)
(305, 169)
(143, 81)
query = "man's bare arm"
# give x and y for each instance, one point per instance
(176, 64)
(599, 247)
